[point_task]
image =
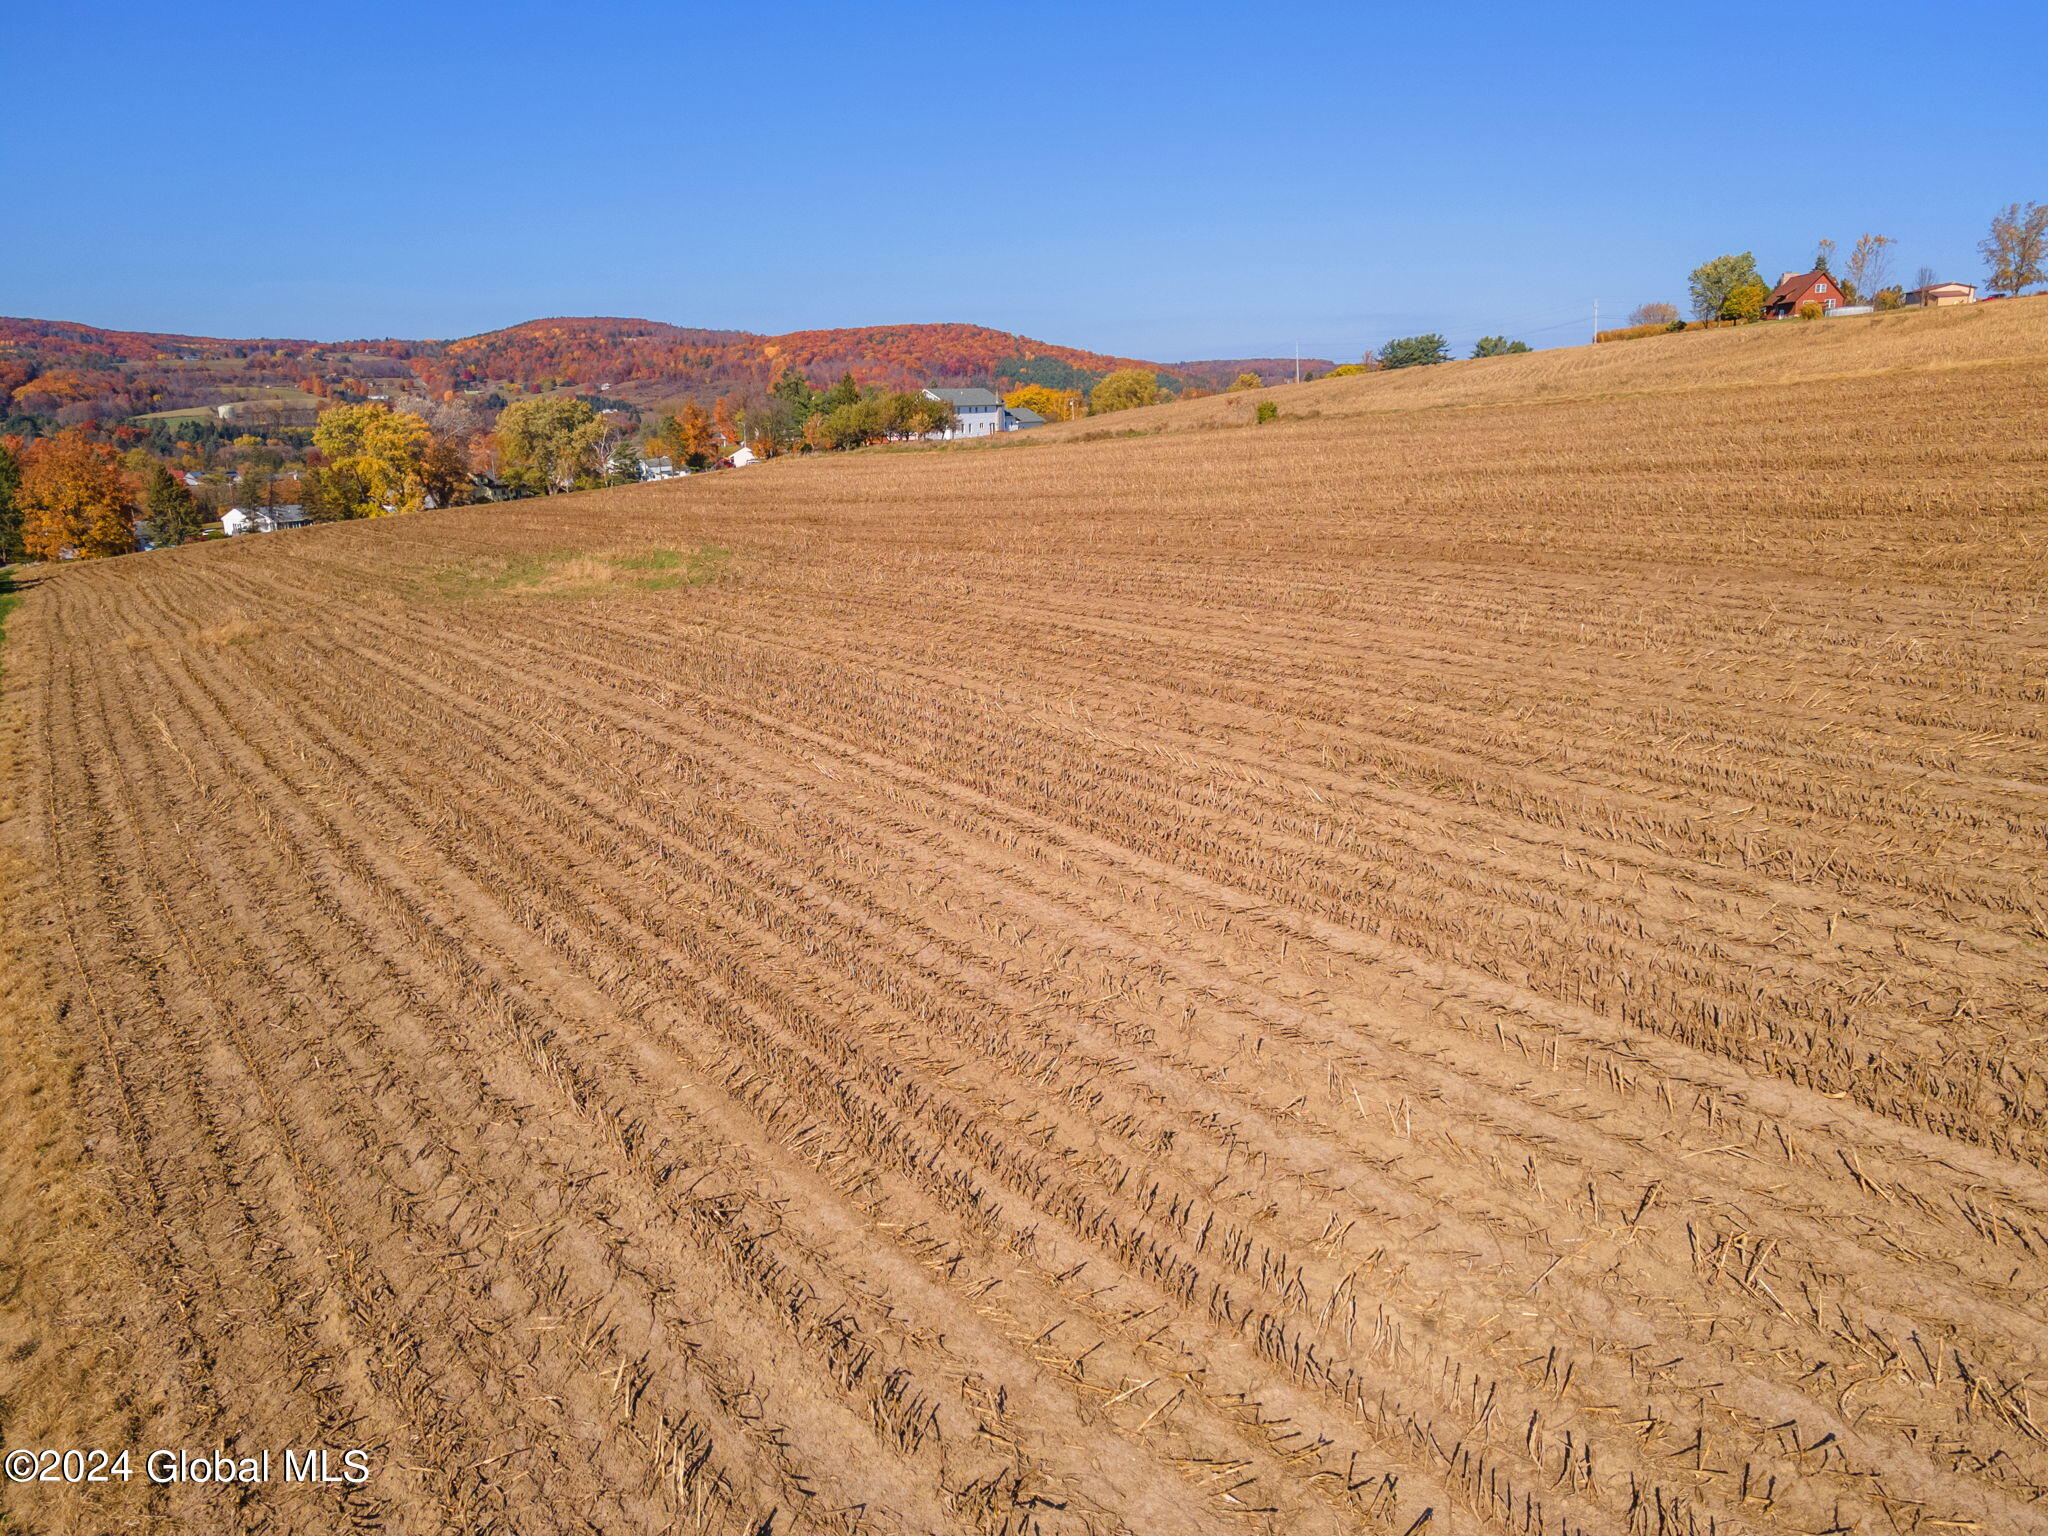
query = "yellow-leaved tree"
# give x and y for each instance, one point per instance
(551, 441)
(373, 456)
(1123, 390)
(1745, 301)
(1048, 402)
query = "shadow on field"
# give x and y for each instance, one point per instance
(13, 582)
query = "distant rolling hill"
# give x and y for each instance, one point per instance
(70, 372)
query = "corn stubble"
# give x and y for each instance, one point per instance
(1465, 963)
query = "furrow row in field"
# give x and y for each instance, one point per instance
(472, 833)
(505, 985)
(1741, 1012)
(1383, 650)
(1459, 986)
(1324, 811)
(625, 750)
(664, 691)
(1501, 739)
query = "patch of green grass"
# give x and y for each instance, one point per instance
(189, 413)
(660, 569)
(279, 395)
(580, 574)
(484, 576)
(10, 594)
(1105, 434)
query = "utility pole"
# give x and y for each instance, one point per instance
(1596, 319)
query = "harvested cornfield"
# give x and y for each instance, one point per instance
(1446, 964)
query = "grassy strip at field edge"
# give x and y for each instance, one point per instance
(10, 595)
(570, 574)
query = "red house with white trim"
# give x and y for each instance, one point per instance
(1797, 288)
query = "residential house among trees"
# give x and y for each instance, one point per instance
(977, 413)
(1800, 288)
(1941, 295)
(239, 520)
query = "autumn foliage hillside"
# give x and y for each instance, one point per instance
(643, 358)
(77, 372)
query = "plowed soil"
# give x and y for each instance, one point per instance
(1452, 964)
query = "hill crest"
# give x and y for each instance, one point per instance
(72, 371)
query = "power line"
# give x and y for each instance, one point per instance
(1567, 319)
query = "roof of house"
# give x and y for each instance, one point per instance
(960, 397)
(1792, 284)
(1940, 287)
(1024, 415)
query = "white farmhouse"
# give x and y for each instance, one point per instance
(239, 520)
(978, 413)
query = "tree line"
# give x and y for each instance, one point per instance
(2014, 251)
(1424, 351)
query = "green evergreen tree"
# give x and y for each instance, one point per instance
(1415, 351)
(171, 513)
(795, 389)
(11, 547)
(1498, 346)
(845, 392)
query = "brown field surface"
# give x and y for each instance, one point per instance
(1466, 961)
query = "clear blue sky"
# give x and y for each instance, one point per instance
(1161, 180)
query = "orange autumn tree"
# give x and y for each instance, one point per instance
(695, 436)
(76, 501)
(722, 419)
